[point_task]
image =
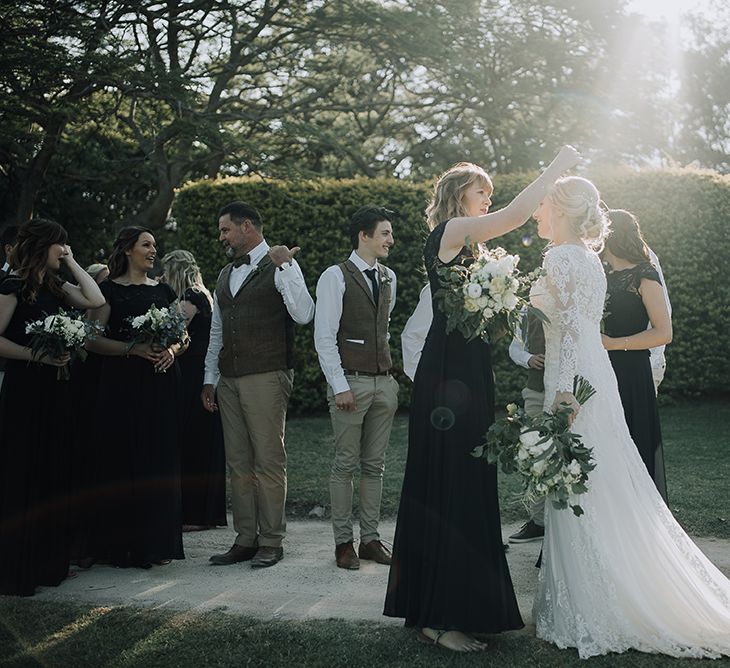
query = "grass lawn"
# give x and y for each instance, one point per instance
(44, 634)
(696, 448)
(50, 635)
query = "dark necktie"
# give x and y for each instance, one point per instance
(376, 288)
(243, 259)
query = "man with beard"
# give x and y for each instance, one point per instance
(257, 299)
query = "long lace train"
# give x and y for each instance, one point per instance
(625, 574)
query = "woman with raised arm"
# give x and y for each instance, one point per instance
(138, 469)
(35, 430)
(449, 576)
(624, 575)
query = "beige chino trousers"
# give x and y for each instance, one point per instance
(253, 412)
(361, 438)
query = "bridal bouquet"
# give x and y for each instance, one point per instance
(487, 297)
(552, 460)
(60, 333)
(160, 327)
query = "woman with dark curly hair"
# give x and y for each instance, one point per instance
(34, 412)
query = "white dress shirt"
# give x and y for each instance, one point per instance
(656, 355)
(330, 290)
(414, 333)
(518, 351)
(289, 282)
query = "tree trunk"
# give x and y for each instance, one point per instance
(155, 214)
(31, 181)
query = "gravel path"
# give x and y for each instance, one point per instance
(306, 584)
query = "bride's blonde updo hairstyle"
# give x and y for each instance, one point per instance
(447, 201)
(579, 200)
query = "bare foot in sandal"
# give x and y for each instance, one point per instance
(456, 641)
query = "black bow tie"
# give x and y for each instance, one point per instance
(243, 259)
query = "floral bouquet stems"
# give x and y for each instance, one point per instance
(59, 334)
(551, 459)
(160, 327)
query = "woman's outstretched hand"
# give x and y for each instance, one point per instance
(567, 158)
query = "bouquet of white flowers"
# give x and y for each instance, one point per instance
(161, 327)
(552, 460)
(58, 334)
(487, 297)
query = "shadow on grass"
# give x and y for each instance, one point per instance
(45, 634)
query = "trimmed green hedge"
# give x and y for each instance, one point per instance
(683, 215)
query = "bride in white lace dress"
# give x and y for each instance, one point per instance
(624, 575)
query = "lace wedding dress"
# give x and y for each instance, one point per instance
(624, 575)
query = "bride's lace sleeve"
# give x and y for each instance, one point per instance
(562, 286)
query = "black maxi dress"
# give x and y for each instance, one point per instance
(35, 459)
(138, 466)
(626, 315)
(202, 456)
(449, 569)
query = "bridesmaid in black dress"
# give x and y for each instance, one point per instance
(635, 299)
(85, 379)
(139, 521)
(35, 433)
(449, 576)
(202, 456)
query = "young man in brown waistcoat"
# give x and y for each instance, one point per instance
(257, 299)
(354, 302)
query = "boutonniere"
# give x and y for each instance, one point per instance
(385, 278)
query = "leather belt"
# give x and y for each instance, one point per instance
(348, 372)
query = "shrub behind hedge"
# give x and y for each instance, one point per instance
(683, 214)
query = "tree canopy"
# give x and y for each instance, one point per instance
(108, 106)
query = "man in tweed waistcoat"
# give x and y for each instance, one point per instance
(354, 302)
(258, 298)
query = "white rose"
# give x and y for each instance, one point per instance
(510, 302)
(497, 286)
(471, 306)
(48, 322)
(483, 302)
(473, 290)
(506, 265)
(529, 438)
(539, 448)
(490, 267)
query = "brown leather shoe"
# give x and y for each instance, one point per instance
(267, 556)
(234, 555)
(345, 557)
(375, 551)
